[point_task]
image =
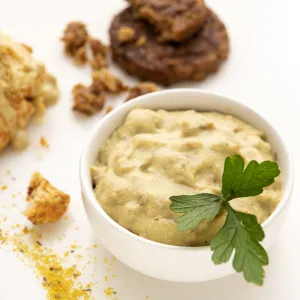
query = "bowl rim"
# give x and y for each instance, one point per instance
(88, 193)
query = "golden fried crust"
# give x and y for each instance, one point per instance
(46, 204)
(24, 88)
(5, 134)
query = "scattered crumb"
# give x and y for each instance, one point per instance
(4, 187)
(141, 41)
(114, 276)
(142, 89)
(105, 260)
(99, 53)
(126, 34)
(44, 142)
(75, 38)
(80, 56)
(87, 100)
(106, 278)
(109, 109)
(98, 62)
(95, 246)
(110, 82)
(46, 204)
(97, 47)
(8, 172)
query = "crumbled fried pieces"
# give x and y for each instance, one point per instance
(46, 204)
(97, 47)
(80, 57)
(83, 47)
(126, 34)
(99, 53)
(98, 62)
(142, 89)
(87, 100)
(110, 82)
(75, 38)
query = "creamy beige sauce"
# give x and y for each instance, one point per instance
(158, 154)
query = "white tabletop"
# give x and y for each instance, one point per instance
(263, 71)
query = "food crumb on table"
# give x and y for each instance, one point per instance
(87, 99)
(46, 204)
(44, 142)
(4, 187)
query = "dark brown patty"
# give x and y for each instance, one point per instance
(167, 63)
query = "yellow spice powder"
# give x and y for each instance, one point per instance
(60, 282)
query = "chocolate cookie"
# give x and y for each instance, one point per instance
(175, 20)
(166, 63)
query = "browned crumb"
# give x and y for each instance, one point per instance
(80, 56)
(87, 100)
(141, 41)
(109, 109)
(78, 43)
(126, 34)
(44, 142)
(97, 47)
(75, 37)
(46, 204)
(110, 82)
(99, 52)
(98, 62)
(142, 89)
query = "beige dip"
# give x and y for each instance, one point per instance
(158, 154)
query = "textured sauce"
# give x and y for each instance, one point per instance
(158, 154)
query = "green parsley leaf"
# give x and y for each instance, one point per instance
(239, 182)
(196, 208)
(243, 233)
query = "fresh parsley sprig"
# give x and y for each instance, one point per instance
(241, 232)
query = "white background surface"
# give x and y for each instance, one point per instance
(263, 72)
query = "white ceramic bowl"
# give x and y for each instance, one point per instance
(173, 263)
